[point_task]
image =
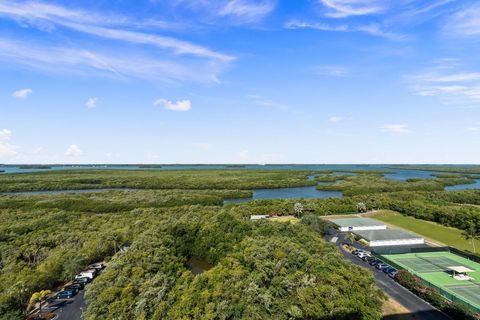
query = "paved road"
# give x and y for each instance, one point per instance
(73, 310)
(418, 307)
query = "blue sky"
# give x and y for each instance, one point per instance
(240, 81)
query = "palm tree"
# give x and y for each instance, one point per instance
(298, 209)
(361, 207)
(40, 298)
(471, 233)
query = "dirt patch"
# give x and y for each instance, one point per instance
(395, 311)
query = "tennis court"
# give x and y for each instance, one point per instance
(470, 292)
(423, 264)
(432, 268)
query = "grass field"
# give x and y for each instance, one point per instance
(430, 230)
(291, 219)
(432, 267)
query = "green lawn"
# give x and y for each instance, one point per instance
(430, 230)
(291, 219)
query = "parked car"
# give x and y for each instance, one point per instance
(361, 255)
(97, 266)
(83, 280)
(392, 273)
(72, 288)
(388, 269)
(79, 285)
(91, 273)
(380, 266)
(374, 262)
(358, 251)
(65, 294)
(368, 258)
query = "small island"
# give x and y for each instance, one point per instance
(150, 166)
(26, 167)
(235, 166)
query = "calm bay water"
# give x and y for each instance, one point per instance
(288, 193)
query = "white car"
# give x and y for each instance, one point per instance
(87, 274)
(361, 255)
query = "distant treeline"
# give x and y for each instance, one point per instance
(366, 183)
(454, 169)
(151, 179)
(34, 167)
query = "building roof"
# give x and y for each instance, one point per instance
(461, 269)
(259, 216)
(357, 222)
(386, 234)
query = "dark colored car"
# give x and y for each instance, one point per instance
(75, 289)
(374, 262)
(78, 285)
(368, 259)
(388, 269)
(83, 280)
(65, 294)
(392, 273)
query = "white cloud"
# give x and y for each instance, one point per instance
(335, 119)
(347, 8)
(73, 151)
(22, 94)
(450, 85)
(265, 102)
(246, 10)
(119, 65)
(331, 71)
(135, 49)
(453, 77)
(6, 149)
(371, 29)
(465, 22)
(38, 13)
(91, 103)
(181, 105)
(5, 134)
(396, 128)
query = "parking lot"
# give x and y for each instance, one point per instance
(73, 308)
(69, 303)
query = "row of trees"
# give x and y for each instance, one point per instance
(193, 179)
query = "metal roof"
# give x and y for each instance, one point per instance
(461, 269)
(357, 222)
(386, 234)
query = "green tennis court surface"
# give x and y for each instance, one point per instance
(432, 267)
(429, 264)
(469, 292)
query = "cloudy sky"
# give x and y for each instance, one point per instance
(240, 81)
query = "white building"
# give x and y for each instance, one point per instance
(259, 216)
(357, 224)
(389, 237)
